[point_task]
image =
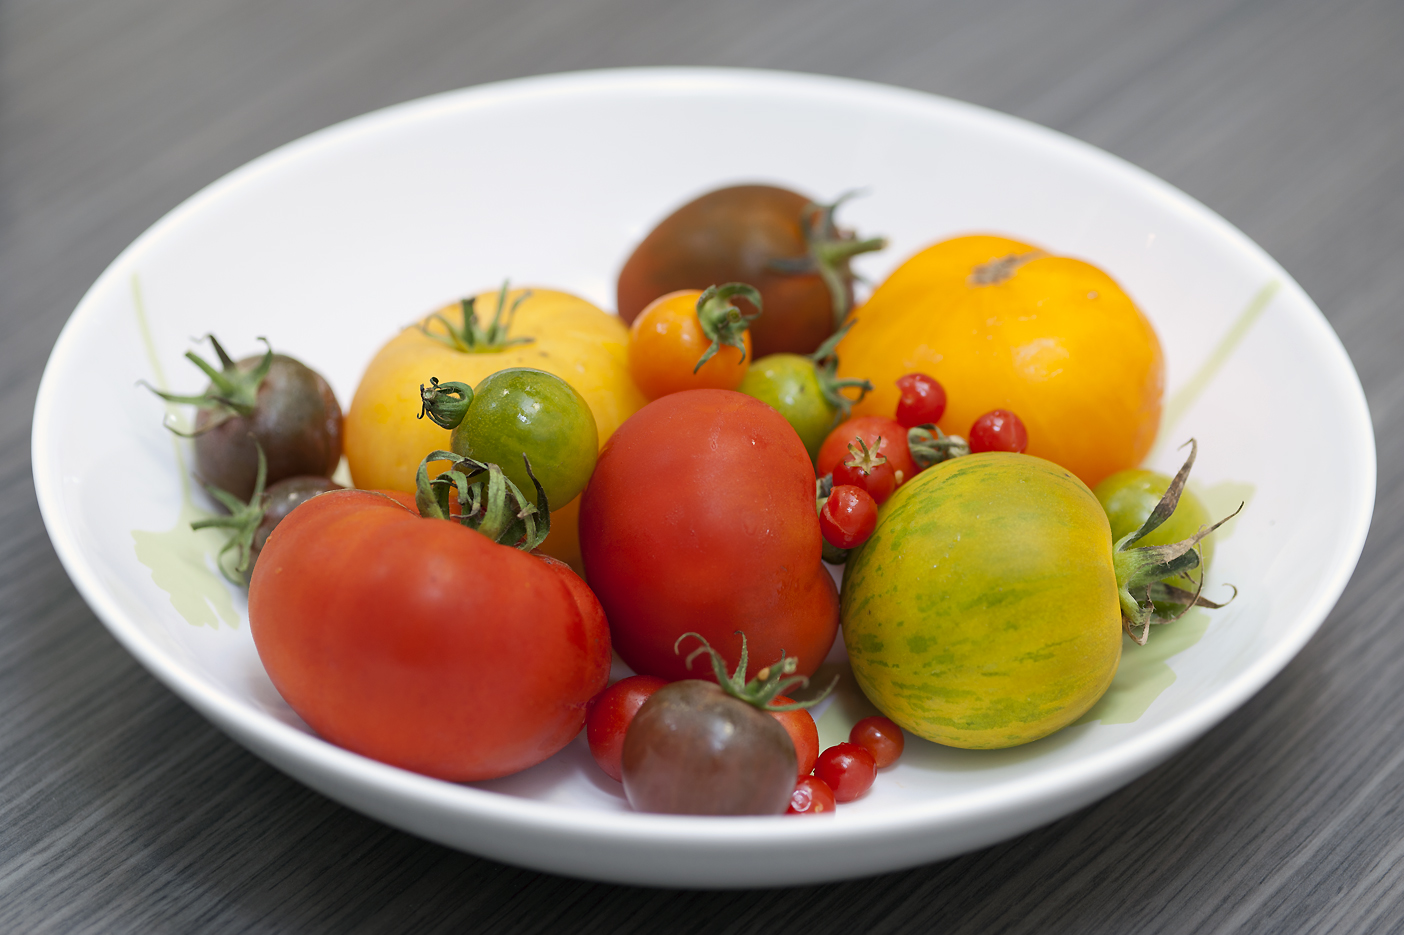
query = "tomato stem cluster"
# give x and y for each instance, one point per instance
(501, 512)
(929, 445)
(771, 681)
(243, 519)
(471, 338)
(1141, 571)
(231, 391)
(830, 251)
(446, 404)
(830, 385)
(722, 322)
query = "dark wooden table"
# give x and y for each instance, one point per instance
(123, 810)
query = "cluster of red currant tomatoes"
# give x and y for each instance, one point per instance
(869, 457)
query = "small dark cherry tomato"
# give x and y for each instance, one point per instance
(812, 796)
(694, 750)
(998, 430)
(848, 517)
(867, 469)
(279, 500)
(609, 716)
(881, 737)
(804, 733)
(848, 769)
(923, 400)
(892, 446)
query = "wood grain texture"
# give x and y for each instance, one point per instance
(122, 810)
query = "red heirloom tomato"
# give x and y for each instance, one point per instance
(834, 451)
(422, 643)
(804, 733)
(700, 517)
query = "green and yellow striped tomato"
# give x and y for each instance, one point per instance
(983, 611)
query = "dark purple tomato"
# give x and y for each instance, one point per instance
(769, 237)
(694, 750)
(295, 417)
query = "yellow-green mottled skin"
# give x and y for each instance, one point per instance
(983, 610)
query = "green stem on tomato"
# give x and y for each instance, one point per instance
(501, 512)
(770, 682)
(469, 337)
(722, 322)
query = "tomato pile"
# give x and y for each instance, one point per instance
(540, 486)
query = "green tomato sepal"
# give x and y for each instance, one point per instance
(830, 384)
(470, 337)
(1141, 572)
(929, 445)
(501, 512)
(446, 404)
(722, 322)
(231, 391)
(771, 681)
(831, 250)
(243, 521)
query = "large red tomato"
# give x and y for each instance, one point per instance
(423, 643)
(700, 517)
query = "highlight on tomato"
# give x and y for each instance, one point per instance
(423, 632)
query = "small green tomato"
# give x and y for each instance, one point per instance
(1128, 497)
(523, 411)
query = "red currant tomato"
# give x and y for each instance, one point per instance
(998, 430)
(848, 769)
(867, 469)
(893, 446)
(923, 400)
(880, 737)
(609, 716)
(848, 517)
(812, 796)
(804, 733)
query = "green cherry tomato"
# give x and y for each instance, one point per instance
(522, 411)
(789, 384)
(1128, 498)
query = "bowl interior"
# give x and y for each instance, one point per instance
(330, 245)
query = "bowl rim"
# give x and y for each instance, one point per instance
(1098, 770)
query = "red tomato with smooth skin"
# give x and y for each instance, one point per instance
(609, 717)
(848, 769)
(998, 430)
(812, 796)
(881, 737)
(922, 400)
(834, 451)
(700, 518)
(422, 643)
(804, 733)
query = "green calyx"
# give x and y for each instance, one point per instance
(446, 404)
(243, 521)
(488, 502)
(722, 322)
(830, 251)
(929, 445)
(232, 392)
(770, 682)
(471, 338)
(830, 385)
(1141, 572)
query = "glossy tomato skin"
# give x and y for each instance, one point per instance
(525, 411)
(665, 343)
(693, 750)
(848, 769)
(848, 517)
(893, 445)
(700, 518)
(733, 235)
(610, 715)
(881, 737)
(804, 733)
(922, 399)
(998, 430)
(420, 642)
(812, 796)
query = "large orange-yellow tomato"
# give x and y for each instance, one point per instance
(586, 347)
(1004, 325)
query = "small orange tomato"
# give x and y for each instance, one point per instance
(691, 340)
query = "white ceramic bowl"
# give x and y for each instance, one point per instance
(331, 243)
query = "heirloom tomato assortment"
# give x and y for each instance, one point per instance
(541, 486)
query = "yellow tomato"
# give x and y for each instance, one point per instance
(1003, 325)
(586, 347)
